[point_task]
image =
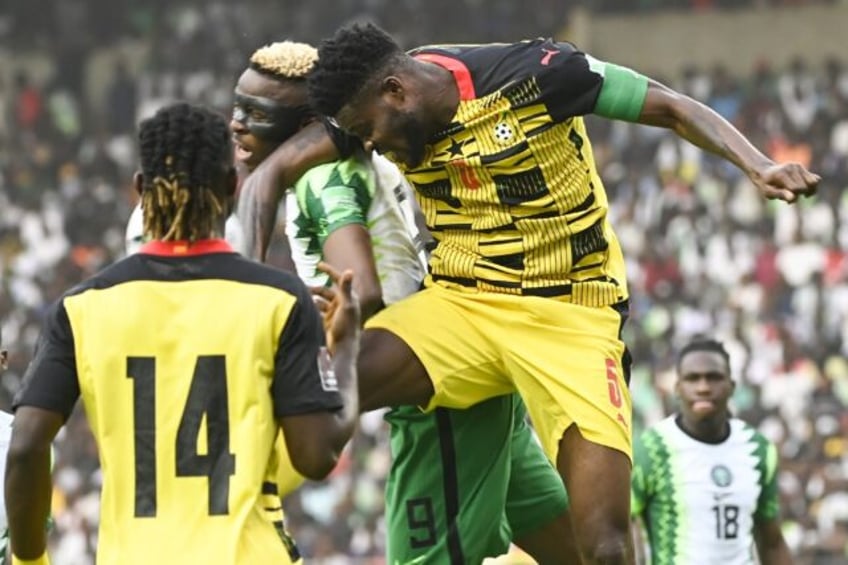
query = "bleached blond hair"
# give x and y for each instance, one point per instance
(285, 59)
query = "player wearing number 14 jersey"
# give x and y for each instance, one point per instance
(189, 358)
(705, 484)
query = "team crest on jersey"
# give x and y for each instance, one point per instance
(326, 371)
(721, 476)
(503, 132)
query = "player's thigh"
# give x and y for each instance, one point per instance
(569, 365)
(451, 508)
(390, 374)
(435, 335)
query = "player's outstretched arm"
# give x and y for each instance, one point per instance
(28, 484)
(265, 186)
(771, 546)
(705, 128)
(315, 440)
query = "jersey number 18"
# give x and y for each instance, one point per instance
(727, 521)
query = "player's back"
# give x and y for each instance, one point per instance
(176, 360)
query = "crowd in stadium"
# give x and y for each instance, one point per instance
(705, 255)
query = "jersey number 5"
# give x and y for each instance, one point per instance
(207, 397)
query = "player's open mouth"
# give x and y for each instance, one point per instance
(242, 152)
(703, 406)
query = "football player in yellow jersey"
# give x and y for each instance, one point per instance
(527, 288)
(189, 359)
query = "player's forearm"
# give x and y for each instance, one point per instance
(260, 201)
(28, 493)
(344, 366)
(701, 126)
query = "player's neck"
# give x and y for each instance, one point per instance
(706, 430)
(442, 89)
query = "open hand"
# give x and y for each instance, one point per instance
(339, 307)
(787, 182)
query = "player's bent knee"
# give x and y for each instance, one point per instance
(607, 545)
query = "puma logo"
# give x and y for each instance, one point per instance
(548, 55)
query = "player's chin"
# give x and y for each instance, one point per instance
(244, 155)
(411, 158)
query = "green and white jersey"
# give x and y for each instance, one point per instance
(353, 191)
(699, 501)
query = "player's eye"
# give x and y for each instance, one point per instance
(258, 115)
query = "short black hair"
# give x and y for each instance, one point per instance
(703, 343)
(346, 62)
(182, 149)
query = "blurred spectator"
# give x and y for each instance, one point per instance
(122, 100)
(28, 103)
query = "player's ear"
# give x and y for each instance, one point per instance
(138, 182)
(392, 86)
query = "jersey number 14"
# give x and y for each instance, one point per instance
(207, 397)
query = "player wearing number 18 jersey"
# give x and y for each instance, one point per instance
(189, 358)
(705, 484)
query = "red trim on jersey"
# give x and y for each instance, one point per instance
(459, 70)
(185, 248)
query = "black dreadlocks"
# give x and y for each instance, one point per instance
(182, 149)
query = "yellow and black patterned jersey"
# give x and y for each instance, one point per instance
(509, 189)
(185, 357)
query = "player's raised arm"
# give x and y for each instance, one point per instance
(577, 84)
(316, 439)
(705, 128)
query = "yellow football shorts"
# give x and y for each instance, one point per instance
(567, 361)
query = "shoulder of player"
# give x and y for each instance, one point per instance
(747, 433)
(247, 271)
(121, 271)
(491, 66)
(488, 52)
(341, 172)
(652, 434)
(221, 266)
